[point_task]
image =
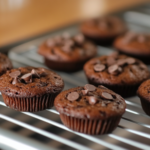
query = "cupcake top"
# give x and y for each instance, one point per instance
(5, 63)
(67, 48)
(144, 90)
(29, 82)
(90, 102)
(109, 26)
(116, 69)
(134, 43)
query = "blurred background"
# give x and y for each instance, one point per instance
(32, 21)
(21, 20)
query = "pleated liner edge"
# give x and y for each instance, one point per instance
(88, 126)
(31, 104)
(146, 106)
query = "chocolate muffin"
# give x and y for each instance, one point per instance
(30, 89)
(144, 94)
(135, 45)
(90, 109)
(103, 30)
(120, 73)
(66, 53)
(5, 64)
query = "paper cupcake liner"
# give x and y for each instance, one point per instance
(30, 104)
(123, 90)
(88, 126)
(144, 59)
(65, 66)
(146, 106)
(101, 40)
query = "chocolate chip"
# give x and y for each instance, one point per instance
(73, 96)
(89, 87)
(101, 86)
(121, 62)
(107, 96)
(130, 61)
(66, 48)
(35, 73)
(42, 74)
(15, 74)
(92, 100)
(129, 37)
(103, 104)
(15, 80)
(142, 66)
(99, 67)
(119, 69)
(69, 42)
(84, 92)
(27, 78)
(79, 38)
(90, 93)
(113, 69)
(50, 43)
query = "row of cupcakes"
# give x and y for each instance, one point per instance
(93, 108)
(120, 73)
(69, 53)
(88, 109)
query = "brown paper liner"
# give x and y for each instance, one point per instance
(88, 126)
(30, 104)
(123, 90)
(146, 106)
(65, 66)
(101, 41)
(144, 59)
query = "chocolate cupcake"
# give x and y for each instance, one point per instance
(144, 94)
(120, 73)
(103, 30)
(90, 109)
(134, 44)
(65, 53)
(5, 64)
(30, 89)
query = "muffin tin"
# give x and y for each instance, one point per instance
(46, 127)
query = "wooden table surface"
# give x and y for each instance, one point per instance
(23, 19)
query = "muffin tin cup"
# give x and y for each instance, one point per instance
(30, 104)
(89, 126)
(146, 106)
(124, 91)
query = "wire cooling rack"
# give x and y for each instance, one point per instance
(44, 130)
